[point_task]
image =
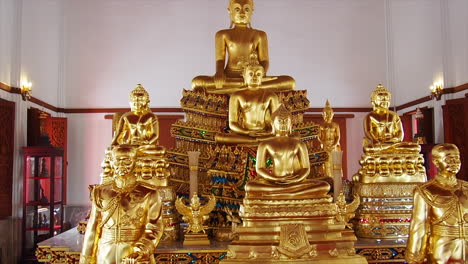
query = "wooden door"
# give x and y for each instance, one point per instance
(7, 132)
(455, 130)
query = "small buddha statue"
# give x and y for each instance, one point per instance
(286, 178)
(329, 136)
(250, 109)
(233, 46)
(439, 224)
(125, 223)
(140, 126)
(383, 128)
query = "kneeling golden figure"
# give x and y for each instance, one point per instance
(287, 178)
(125, 224)
(439, 227)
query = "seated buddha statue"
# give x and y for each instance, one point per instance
(140, 126)
(125, 224)
(329, 136)
(232, 47)
(286, 178)
(439, 224)
(383, 128)
(250, 110)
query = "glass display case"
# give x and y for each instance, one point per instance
(43, 195)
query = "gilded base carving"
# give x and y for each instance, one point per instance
(385, 209)
(391, 168)
(292, 231)
(199, 239)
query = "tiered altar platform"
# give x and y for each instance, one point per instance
(65, 249)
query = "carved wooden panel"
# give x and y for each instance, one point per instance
(341, 121)
(56, 129)
(7, 127)
(455, 127)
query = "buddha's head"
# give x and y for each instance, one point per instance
(253, 72)
(380, 97)
(327, 113)
(123, 160)
(139, 99)
(282, 121)
(446, 158)
(240, 11)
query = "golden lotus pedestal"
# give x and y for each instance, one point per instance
(292, 231)
(385, 186)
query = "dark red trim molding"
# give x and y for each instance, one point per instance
(16, 90)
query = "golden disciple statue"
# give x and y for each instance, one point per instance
(329, 136)
(233, 46)
(125, 222)
(439, 226)
(250, 109)
(286, 179)
(139, 126)
(383, 128)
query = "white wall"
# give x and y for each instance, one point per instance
(457, 24)
(330, 47)
(88, 137)
(41, 48)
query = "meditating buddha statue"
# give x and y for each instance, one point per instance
(286, 179)
(139, 126)
(125, 224)
(329, 136)
(439, 226)
(250, 109)
(287, 218)
(386, 157)
(233, 46)
(383, 128)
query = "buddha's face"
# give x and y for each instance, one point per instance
(253, 76)
(450, 162)
(138, 103)
(327, 115)
(381, 100)
(123, 163)
(282, 126)
(240, 11)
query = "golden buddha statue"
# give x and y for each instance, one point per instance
(383, 128)
(139, 126)
(235, 45)
(125, 222)
(439, 226)
(329, 136)
(287, 177)
(250, 109)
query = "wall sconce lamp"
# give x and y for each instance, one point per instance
(437, 90)
(26, 91)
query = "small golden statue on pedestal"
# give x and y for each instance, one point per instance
(329, 137)
(235, 45)
(286, 217)
(195, 215)
(125, 221)
(390, 169)
(439, 226)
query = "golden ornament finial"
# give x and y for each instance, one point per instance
(328, 108)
